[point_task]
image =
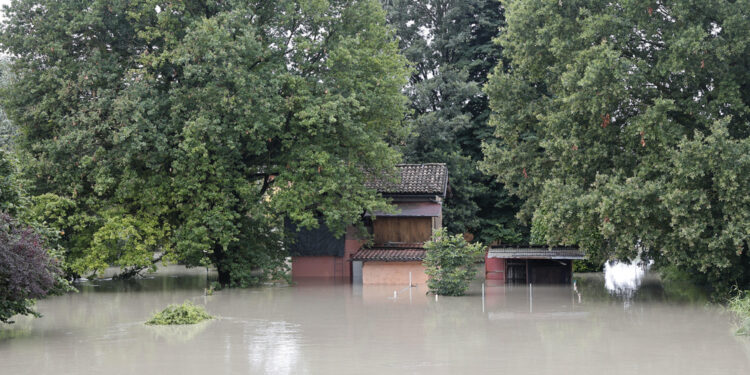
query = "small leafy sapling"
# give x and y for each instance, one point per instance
(450, 263)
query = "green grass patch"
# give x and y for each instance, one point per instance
(187, 313)
(740, 305)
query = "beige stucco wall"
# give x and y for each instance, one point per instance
(393, 273)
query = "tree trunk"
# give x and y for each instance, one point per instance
(224, 276)
(222, 266)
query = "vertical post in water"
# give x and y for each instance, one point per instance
(208, 286)
(410, 284)
(531, 299)
(395, 294)
(482, 297)
(573, 294)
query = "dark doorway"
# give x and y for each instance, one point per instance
(538, 271)
(549, 271)
(515, 272)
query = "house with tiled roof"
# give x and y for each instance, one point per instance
(395, 256)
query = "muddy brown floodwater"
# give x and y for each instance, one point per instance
(328, 328)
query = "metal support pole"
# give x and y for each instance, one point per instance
(482, 297)
(531, 299)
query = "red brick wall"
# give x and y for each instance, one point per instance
(329, 266)
(318, 266)
(494, 269)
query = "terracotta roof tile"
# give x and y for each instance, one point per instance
(414, 179)
(390, 254)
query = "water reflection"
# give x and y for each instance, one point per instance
(624, 279)
(321, 327)
(273, 347)
(175, 334)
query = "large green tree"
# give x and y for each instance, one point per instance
(7, 130)
(624, 126)
(449, 43)
(190, 128)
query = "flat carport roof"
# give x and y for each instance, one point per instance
(535, 252)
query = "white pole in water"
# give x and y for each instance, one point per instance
(395, 295)
(435, 297)
(482, 297)
(531, 299)
(409, 287)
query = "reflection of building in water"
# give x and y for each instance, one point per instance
(417, 194)
(531, 264)
(508, 302)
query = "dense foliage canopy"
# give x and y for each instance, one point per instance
(7, 130)
(624, 127)
(190, 128)
(449, 43)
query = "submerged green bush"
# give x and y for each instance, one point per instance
(187, 313)
(740, 305)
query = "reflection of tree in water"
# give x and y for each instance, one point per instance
(189, 280)
(650, 289)
(615, 322)
(21, 328)
(178, 333)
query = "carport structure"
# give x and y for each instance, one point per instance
(531, 264)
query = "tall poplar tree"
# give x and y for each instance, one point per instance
(190, 128)
(624, 126)
(449, 44)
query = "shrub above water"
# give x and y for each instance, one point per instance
(28, 270)
(740, 305)
(187, 313)
(450, 263)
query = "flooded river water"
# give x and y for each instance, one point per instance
(328, 328)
